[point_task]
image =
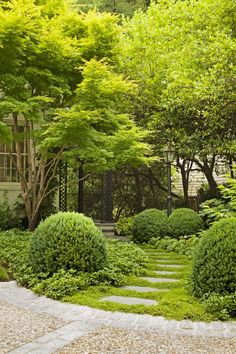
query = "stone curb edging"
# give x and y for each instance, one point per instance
(82, 319)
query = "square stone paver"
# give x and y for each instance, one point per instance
(160, 280)
(170, 265)
(142, 289)
(129, 300)
(163, 272)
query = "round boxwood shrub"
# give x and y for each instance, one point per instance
(185, 221)
(149, 223)
(67, 241)
(214, 266)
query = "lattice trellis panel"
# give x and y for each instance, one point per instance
(63, 187)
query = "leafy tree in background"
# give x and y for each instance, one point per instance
(42, 53)
(182, 54)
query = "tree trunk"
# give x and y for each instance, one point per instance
(207, 167)
(33, 222)
(138, 193)
(185, 177)
(81, 190)
(210, 179)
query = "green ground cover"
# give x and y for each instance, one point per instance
(3, 274)
(176, 303)
(128, 265)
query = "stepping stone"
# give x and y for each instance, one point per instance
(171, 265)
(161, 280)
(129, 300)
(142, 289)
(164, 261)
(165, 272)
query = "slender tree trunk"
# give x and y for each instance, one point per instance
(207, 167)
(35, 182)
(185, 169)
(81, 190)
(33, 222)
(210, 178)
(231, 167)
(138, 193)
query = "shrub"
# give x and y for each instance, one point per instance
(124, 226)
(126, 257)
(183, 245)
(67, 241)
(149, 223)
(213, 210)
(3, 274)
(222, 306)
(184, 221)
(224, 207)
(214, 266)
(8, 216)
(63, 283)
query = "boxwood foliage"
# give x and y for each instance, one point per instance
(185, 221)
(67, 241)
(214, 266)
(149, 223)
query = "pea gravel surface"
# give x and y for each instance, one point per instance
(19, 326)
(109, 340)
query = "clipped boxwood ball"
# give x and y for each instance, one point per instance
(67, 241)
(149, 223)
(185, 221)
(214, 266)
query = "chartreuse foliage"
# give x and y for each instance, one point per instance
(184, 222)
(3, 274)
(149, 223)
(214, 267)
(58, 73)
(176, 303)
(67, 241)
(124, 226)
(182, 245)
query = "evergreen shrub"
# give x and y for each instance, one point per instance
(182, 245)
(8, 216)
(149, 223)
(124, 225)
(67, 241)
(214, 266)
(184, 222)
(221, 306)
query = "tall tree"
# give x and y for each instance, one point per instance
(182, 54)
(42, 48)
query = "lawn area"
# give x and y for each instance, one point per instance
(175, 303)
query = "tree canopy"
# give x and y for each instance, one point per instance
(182, 54)
(47, 49)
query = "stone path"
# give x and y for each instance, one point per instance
(158, 258)
(81, 320)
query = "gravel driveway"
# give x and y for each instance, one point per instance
(19, 326)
